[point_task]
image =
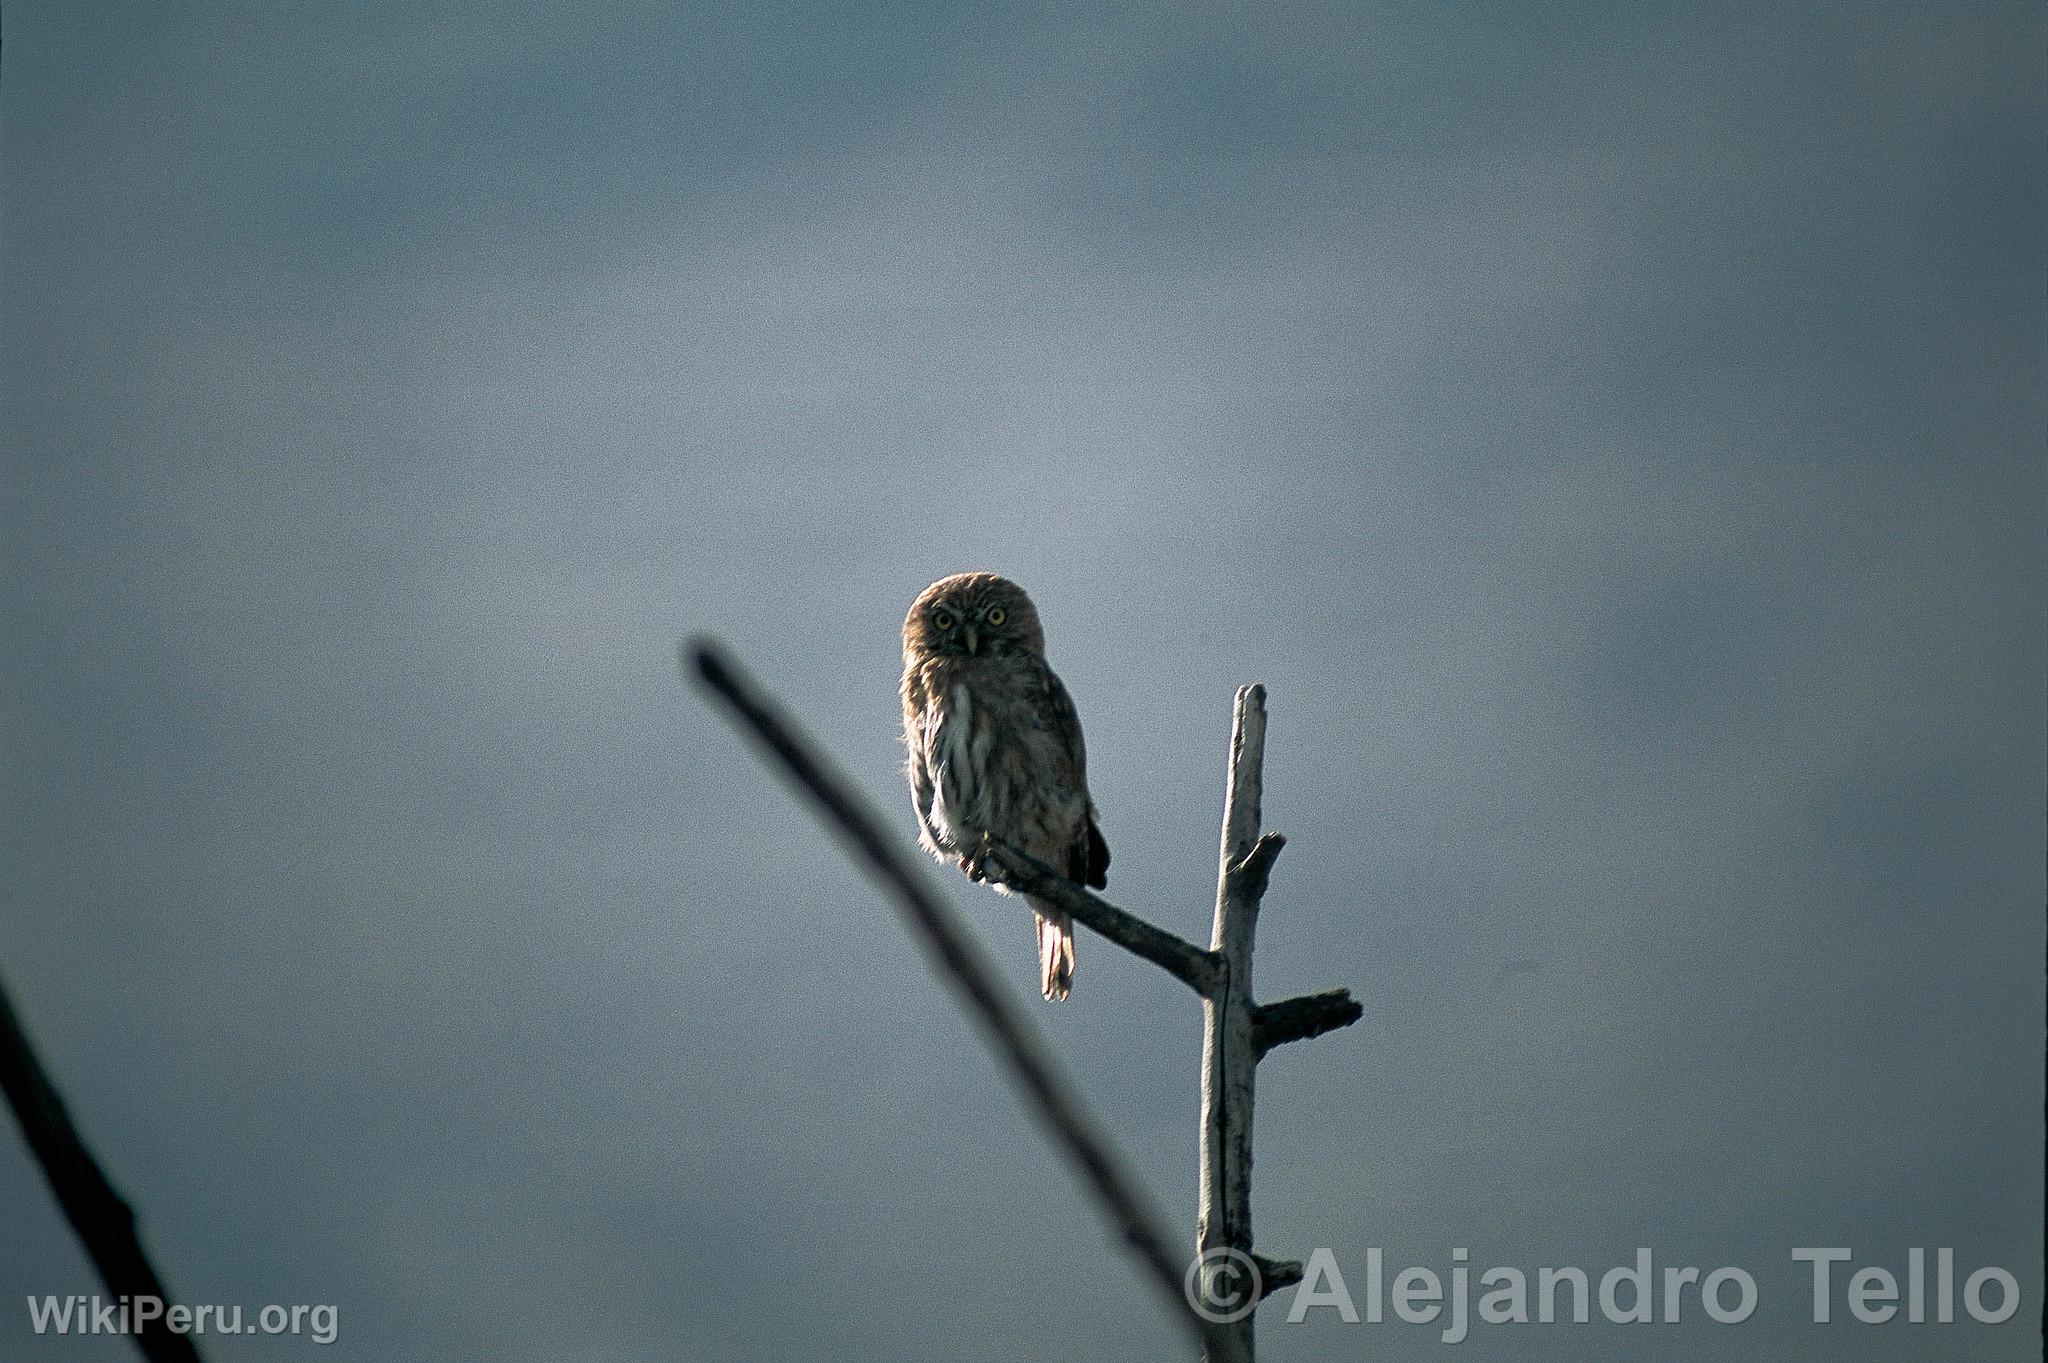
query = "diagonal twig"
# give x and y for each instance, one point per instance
(104, 1222)
(952, 949)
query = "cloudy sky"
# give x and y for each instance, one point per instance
(1613, 432)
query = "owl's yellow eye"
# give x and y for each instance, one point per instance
(942, 620)
(996, 615)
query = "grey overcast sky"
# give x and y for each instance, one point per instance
(1613, 431)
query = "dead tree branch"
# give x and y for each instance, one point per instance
(1303, 1017)
(1237, 1032)
(1275, 1274)
(1223, 1226)
(1024, 873)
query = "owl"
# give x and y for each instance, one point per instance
(995, 747)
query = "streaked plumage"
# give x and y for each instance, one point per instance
(995, 746)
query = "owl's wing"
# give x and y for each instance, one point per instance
(1056, 713)
(1093, 866)
(1088, 860)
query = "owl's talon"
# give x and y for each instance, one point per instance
(980, 858)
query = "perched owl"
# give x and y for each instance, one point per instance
(995, 746)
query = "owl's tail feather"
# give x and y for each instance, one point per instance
(1055, 955)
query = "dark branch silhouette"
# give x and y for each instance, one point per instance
(1303, 1017)
(104, 1222)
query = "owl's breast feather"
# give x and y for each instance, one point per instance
(957, 790)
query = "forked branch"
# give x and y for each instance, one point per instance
(1248, 877)
(1236, 1034)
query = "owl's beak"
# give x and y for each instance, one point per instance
(973, 644)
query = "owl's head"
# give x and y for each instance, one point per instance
(972, 614)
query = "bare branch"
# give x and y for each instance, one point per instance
(1275, 1274)
(1024, 873)
(1303, 1017)
(952, 950)
(1250, 874)
(1247, 774)
(1223, 1213)
(105, 1224)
